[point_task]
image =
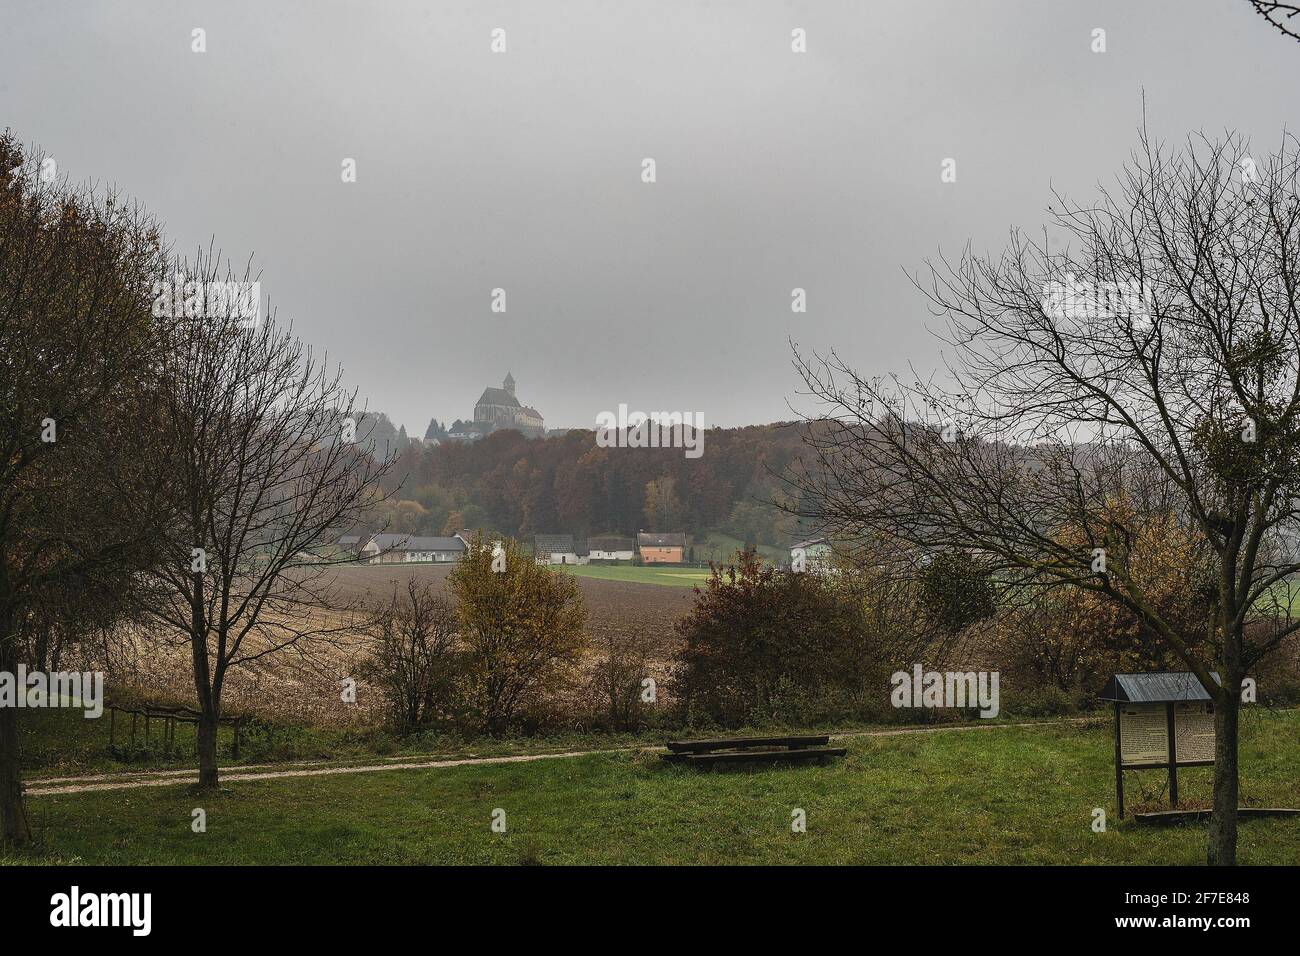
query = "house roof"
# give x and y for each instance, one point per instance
(552, 542)
(497, 396)
(350, 539)
(1155, 688)
(411, 542)
(611, 544)
(810, 542)
(658, 539)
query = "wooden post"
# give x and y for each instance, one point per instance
(1119, 766)
(1173, 757)
(133, 717)
(112, 724)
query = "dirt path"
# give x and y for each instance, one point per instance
(167, 778)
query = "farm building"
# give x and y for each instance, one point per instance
(491, 540)
(558, 549)
(611, 549)
(661, 548)
(816, 553)
(407, 548)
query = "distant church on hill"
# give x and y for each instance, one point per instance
(498, 408)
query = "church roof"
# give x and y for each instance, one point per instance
(497, 396)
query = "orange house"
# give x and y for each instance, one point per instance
(657, 548)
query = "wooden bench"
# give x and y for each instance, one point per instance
(710, 753)
(742, 743)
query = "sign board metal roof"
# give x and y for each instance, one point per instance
(1156, 688)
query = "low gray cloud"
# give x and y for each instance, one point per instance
(522, 170)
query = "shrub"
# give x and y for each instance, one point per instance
(414, 664)
(763, 644)
(615, 689)
(523, 630)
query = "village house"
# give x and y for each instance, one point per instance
(491, 540)
(816, 553)
(409, 548)
(661, 548)
(558, 549)
(611, 549)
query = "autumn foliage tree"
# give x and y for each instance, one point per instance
(1075, 638)
(523, 629)
(764, 643)
(80, 508)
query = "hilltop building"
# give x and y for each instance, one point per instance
(499, 408)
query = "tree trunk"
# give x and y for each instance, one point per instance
(207, 735)
(14, 829)
(1222, 849)
(207, 689)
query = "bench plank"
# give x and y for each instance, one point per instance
(820, 754)
(740, 743)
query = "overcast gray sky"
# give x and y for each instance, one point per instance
(522, 170)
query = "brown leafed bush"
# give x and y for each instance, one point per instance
(765, 644)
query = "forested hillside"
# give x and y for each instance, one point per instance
(566, 484)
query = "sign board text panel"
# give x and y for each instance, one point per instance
(1194, 731)
(1143, 735)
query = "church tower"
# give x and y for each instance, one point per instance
(509, 383)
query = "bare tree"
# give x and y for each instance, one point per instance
(1281, 15)
(263, 466)
(616, 683)
(78, 357)
(1136, 368)
(415, 662)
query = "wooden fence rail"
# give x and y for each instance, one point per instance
(170, 717)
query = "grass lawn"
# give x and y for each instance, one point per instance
(1011, 795)
(644, 574)
(58, 742)
(716, 546)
